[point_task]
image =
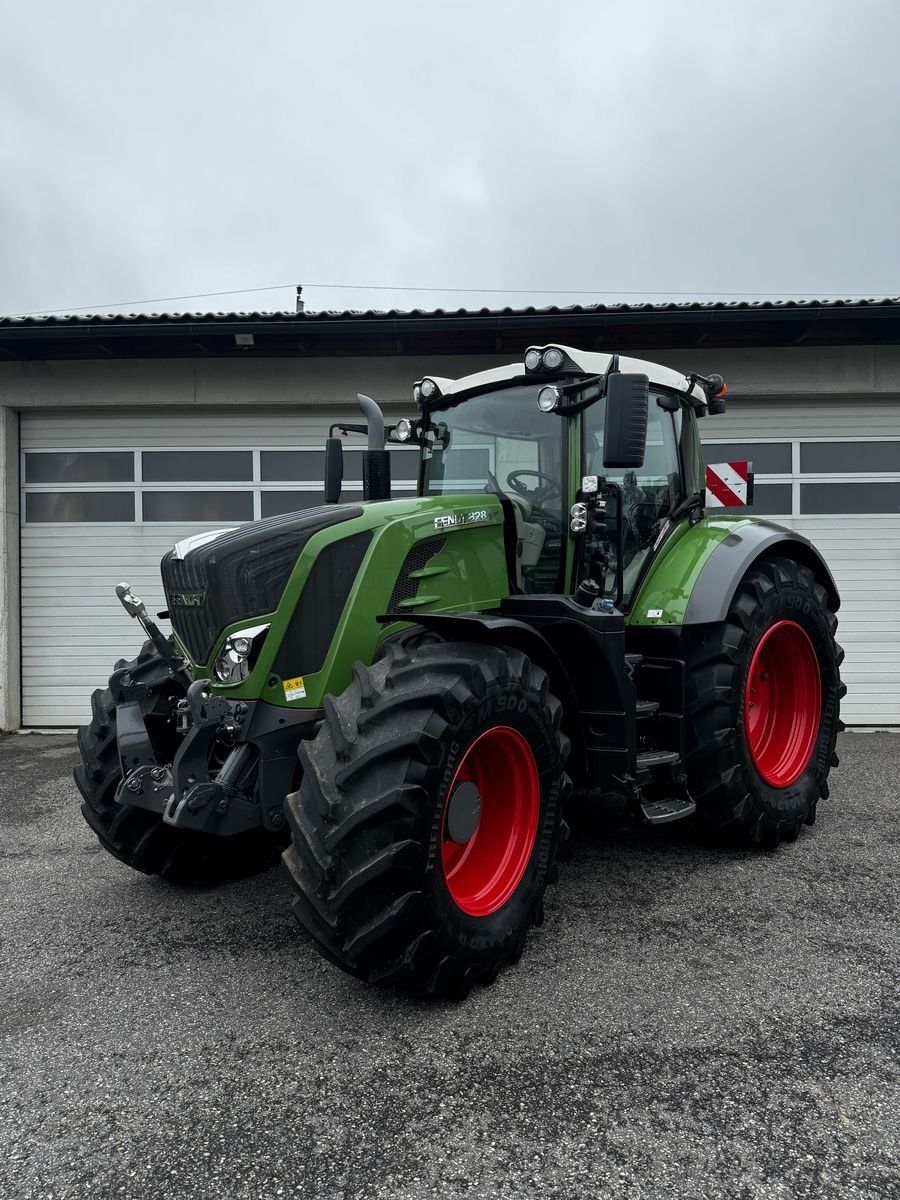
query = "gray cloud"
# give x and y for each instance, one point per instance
(151, 149)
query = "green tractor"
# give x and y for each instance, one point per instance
(405, 695)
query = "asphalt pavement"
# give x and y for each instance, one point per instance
(687, 1023)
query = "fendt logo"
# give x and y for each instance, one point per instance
(188, 599)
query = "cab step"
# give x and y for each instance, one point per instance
(653, 760)
(646, 708)
(661, 812)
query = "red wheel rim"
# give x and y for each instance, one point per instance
(782, 704)
(484, 872)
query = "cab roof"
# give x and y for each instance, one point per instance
(579, 362)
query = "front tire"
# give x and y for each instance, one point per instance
(763, 707)
(428, 816)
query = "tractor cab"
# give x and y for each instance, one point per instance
(593, 457)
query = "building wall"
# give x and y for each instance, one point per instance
(9, 570)
(839, 371)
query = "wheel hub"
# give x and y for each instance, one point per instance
(463, 812)
(490, 821)
(782, 704)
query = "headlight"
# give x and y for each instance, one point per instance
(239, 654)
(403, 430)
(548, 398)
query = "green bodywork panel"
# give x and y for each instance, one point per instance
(667, 587)
(467, 574)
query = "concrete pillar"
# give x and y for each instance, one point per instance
(10, 657)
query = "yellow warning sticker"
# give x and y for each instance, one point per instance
(294, 688)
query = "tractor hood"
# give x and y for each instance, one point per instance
(215, 579)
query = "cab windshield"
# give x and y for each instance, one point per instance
(500, 441)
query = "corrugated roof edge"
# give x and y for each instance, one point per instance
(394, 314)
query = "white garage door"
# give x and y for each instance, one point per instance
(106, 495)
(832, 471)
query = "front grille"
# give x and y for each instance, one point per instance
(240, 574)
(191, 623)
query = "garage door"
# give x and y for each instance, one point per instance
(105, 496)
(832, 471)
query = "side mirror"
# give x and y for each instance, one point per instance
(334, 469)
(625, 429)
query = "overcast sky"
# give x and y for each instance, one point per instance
(610, 147)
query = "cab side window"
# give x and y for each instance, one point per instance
(648, 495)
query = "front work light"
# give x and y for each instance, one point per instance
(552, 359)
(578, 517)
(548, 398)
(532, 359)
(428, 389)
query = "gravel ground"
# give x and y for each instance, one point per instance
(685, 1024)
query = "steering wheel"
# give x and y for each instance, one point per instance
(551, 487)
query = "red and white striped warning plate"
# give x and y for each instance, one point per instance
(729, 485)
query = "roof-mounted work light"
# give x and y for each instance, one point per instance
(544, 358)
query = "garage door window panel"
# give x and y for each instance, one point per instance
(64, 507)
(291, 466)
(850, 457)
(197, 466)
(768, 458)
(79, 466)
(196, 505)
(850, 498)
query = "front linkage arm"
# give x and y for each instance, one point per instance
(136, 608)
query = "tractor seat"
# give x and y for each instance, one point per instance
(529, 537)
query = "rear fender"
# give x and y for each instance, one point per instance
(732, 558)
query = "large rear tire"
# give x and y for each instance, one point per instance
(763, 707)
(428, 816)
(135, 836)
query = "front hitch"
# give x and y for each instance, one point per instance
(185, 793)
